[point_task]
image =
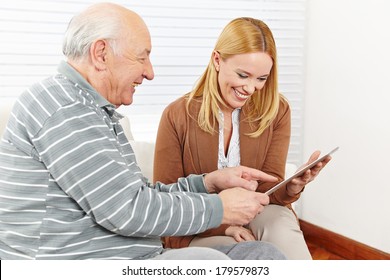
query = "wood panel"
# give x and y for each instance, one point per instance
(338, 246)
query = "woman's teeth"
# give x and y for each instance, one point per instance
(243, 96)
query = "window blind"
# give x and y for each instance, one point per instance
(183, 36)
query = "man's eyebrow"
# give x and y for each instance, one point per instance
(145, 52)
(142, 51)
(148, 51)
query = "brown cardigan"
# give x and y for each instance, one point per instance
(182, 148)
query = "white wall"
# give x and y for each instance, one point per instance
(348, 104)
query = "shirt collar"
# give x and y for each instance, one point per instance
(73, 75)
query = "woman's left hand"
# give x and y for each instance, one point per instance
(240, 233)
(297, 185)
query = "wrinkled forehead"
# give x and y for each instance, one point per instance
(137, 38)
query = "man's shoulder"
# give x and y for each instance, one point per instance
(54, 89)
(43, 99)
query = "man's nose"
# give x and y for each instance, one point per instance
(149, 73)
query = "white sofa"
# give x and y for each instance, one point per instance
(144, 151)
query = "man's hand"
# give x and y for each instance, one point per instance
(239, 176)
(240, 206)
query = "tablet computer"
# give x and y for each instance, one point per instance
(300, 172)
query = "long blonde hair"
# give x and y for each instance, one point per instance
(240, 36)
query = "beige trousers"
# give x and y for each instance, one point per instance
(277, 225)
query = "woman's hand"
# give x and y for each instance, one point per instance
(239, 233)
(297, 185)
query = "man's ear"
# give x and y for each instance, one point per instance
(98, 52)
(216, 60)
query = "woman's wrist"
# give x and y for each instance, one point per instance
(291, 193)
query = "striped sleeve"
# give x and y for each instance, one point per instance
(87, 161)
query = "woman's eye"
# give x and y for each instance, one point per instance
(243, 76)
(262, 79)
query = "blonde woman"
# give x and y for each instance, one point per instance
(234, 116)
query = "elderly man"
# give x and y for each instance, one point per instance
(70, 187)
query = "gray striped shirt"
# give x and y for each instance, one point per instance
(70, 187)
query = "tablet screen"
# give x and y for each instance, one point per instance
(300, 172)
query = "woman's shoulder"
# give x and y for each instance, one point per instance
(180, 104)
(283, 103)
(284, 110)
(177, 104)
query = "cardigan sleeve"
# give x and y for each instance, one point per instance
(168, 165)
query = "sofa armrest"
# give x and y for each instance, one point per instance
(144, 154)
(125, 122)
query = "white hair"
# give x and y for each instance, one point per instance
(86, 28)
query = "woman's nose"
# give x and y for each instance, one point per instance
(249, 87)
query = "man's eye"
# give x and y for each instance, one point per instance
(141, 59)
